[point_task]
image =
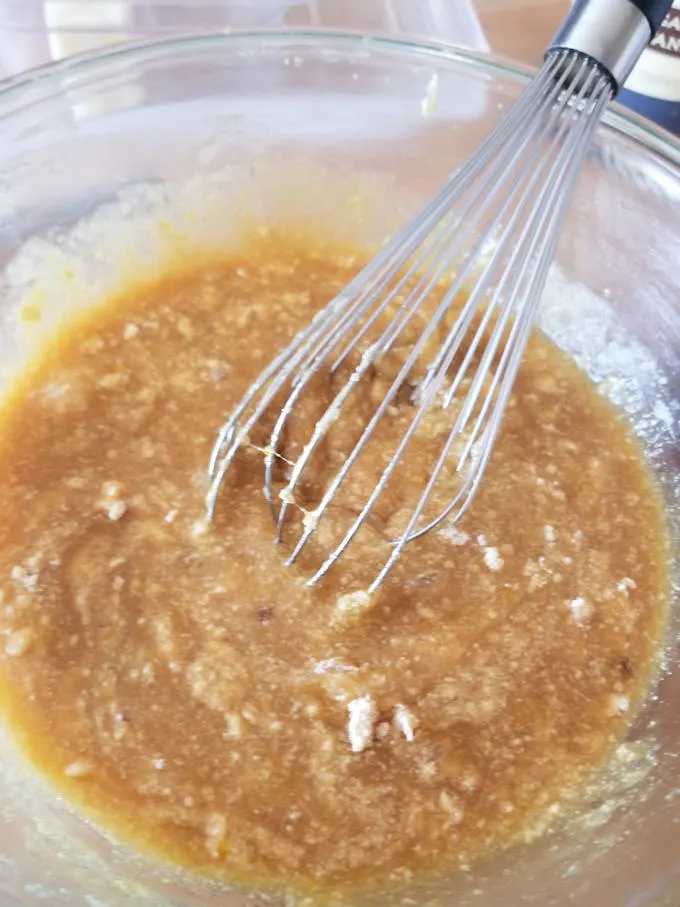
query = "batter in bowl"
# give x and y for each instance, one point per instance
(188, 691)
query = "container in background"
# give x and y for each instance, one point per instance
(653, 88)
(34, 32)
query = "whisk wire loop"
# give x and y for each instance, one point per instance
(494, 226)
(441, 250)
(543, 229)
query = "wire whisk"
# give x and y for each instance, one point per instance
(455, 292)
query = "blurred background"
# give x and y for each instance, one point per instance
(33, 32)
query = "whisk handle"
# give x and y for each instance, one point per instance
(654, 11)
(613, 33)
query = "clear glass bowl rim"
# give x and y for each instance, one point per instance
(17, 92)
(616, 118)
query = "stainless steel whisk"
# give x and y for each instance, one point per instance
(494, 225)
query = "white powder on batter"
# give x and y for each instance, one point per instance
(454, 534)
(492, 558)
(588, 328)
(360, 726)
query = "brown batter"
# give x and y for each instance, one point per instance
(189, 691)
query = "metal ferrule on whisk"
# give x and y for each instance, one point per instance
(612, 33)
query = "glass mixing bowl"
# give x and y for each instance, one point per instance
(112, 163)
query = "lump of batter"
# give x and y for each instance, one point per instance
(184, 687)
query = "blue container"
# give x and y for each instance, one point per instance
(653, 88)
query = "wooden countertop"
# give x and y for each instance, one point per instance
(520, 29)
